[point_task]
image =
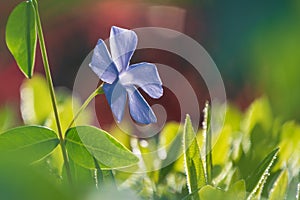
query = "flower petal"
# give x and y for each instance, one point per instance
(102, 63)
(139, 109)
(144, 75)
(116, 96)
(122, 45)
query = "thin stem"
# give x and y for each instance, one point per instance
(86, 103)
(208, 138)
(52, 93)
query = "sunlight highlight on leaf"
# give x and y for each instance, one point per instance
(29, 143)
(21, 36)
(257, 179)
(279, 188)
(192, 159)
(85, 142)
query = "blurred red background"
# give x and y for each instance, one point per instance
(227, 30)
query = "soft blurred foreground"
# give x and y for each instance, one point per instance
(246, 161)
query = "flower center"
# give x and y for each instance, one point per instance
(126, 78)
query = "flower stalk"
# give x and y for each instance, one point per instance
(208, 141)
(86, 103)
(51, 90)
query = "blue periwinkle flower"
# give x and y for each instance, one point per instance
(122, 80)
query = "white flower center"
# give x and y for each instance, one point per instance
(126, 78)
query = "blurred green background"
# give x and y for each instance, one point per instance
(255, 44)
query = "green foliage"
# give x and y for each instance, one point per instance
(68, 105)
(236, 191)
(242, 144)
(83, 178)
(85, 143)
(279, 188)
(35, 100)
(192, 159)
(257, 179)
(238, 176)
(20, 181)
(171, 141)
(32, 142)
(21, 36)
(289, 147)
(7, 118)
(259, 112)
(236, 155)
(207, 134)
(36, 106)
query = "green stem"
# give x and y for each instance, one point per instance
(52, 93)
(208, 150)
(86, 103)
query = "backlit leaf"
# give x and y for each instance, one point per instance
(29, 143)
(279, 188)
(192, 159)
(85, 142)
(36, 103)
(237, 191)
(21, 36)
(257, 179)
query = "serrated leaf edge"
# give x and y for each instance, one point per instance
(259, 186)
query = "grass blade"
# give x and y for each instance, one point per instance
(193, 164)
(279, 188)
(255, 182)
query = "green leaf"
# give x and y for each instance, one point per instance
(222, 149)
(259, 112)
(192, 159)
(36, 103)
(293, 191)
(85, 142)
(83, 178)
(29, 143)
(228, 143)
(146, 149)
(237, 191)
(209, 192)
(279, 188)
(7, 117)
(28, 182)
(257, 179)
(289, 155)
(168, 134)
(21, 36)
(173, 154)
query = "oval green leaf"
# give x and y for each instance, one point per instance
(21, 36)
(29, 143)
(85, 142)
